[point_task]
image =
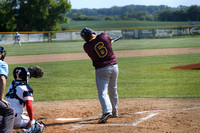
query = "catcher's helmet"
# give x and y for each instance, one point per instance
(21, 74)
(86, 33)
(3, 53)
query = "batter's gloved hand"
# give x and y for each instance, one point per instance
(35, 71)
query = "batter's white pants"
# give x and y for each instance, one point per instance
(106, 82)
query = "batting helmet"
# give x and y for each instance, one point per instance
(86, 33)
(21, 74)
(3, 53)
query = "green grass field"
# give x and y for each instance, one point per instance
(138, 77)
(78, 25)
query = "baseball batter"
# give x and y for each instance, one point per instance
(99, 49)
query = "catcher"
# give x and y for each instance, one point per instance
(20, 95)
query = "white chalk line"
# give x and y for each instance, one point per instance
(91, 118)
(185, 109)
(79, 122)
(152, 114)
(143, 119)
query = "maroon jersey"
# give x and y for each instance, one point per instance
(99, 49)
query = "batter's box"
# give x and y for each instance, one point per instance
(129, 120)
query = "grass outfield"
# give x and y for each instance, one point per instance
(138, 77)
(77, 46)
(77, 25)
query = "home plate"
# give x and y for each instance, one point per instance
(67, 119)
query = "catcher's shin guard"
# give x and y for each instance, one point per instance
(38, 127)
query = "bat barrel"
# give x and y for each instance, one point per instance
(117, 38)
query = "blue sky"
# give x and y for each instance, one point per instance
(78, 4)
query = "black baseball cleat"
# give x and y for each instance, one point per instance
(114, 115)
(104, 118)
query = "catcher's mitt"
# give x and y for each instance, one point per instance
(36, 71)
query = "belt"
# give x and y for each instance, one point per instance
(107, 66)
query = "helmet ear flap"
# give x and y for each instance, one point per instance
(3, 53)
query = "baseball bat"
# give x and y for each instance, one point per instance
(117, 38)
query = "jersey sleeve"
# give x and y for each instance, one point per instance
(24, 93)
(4, 68)
(27, 95)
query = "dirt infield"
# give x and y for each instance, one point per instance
(138, 115)
(188, 67)
(80, 56)
(135, 115)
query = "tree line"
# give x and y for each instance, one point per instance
(138, 12)
(33, 15)
(190, 14)
(47, 15)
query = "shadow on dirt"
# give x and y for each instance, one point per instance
(72, 122)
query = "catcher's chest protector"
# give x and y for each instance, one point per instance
(12, 93)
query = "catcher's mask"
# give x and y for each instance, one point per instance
(86, 33)
(21, 74)
(3, 53)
